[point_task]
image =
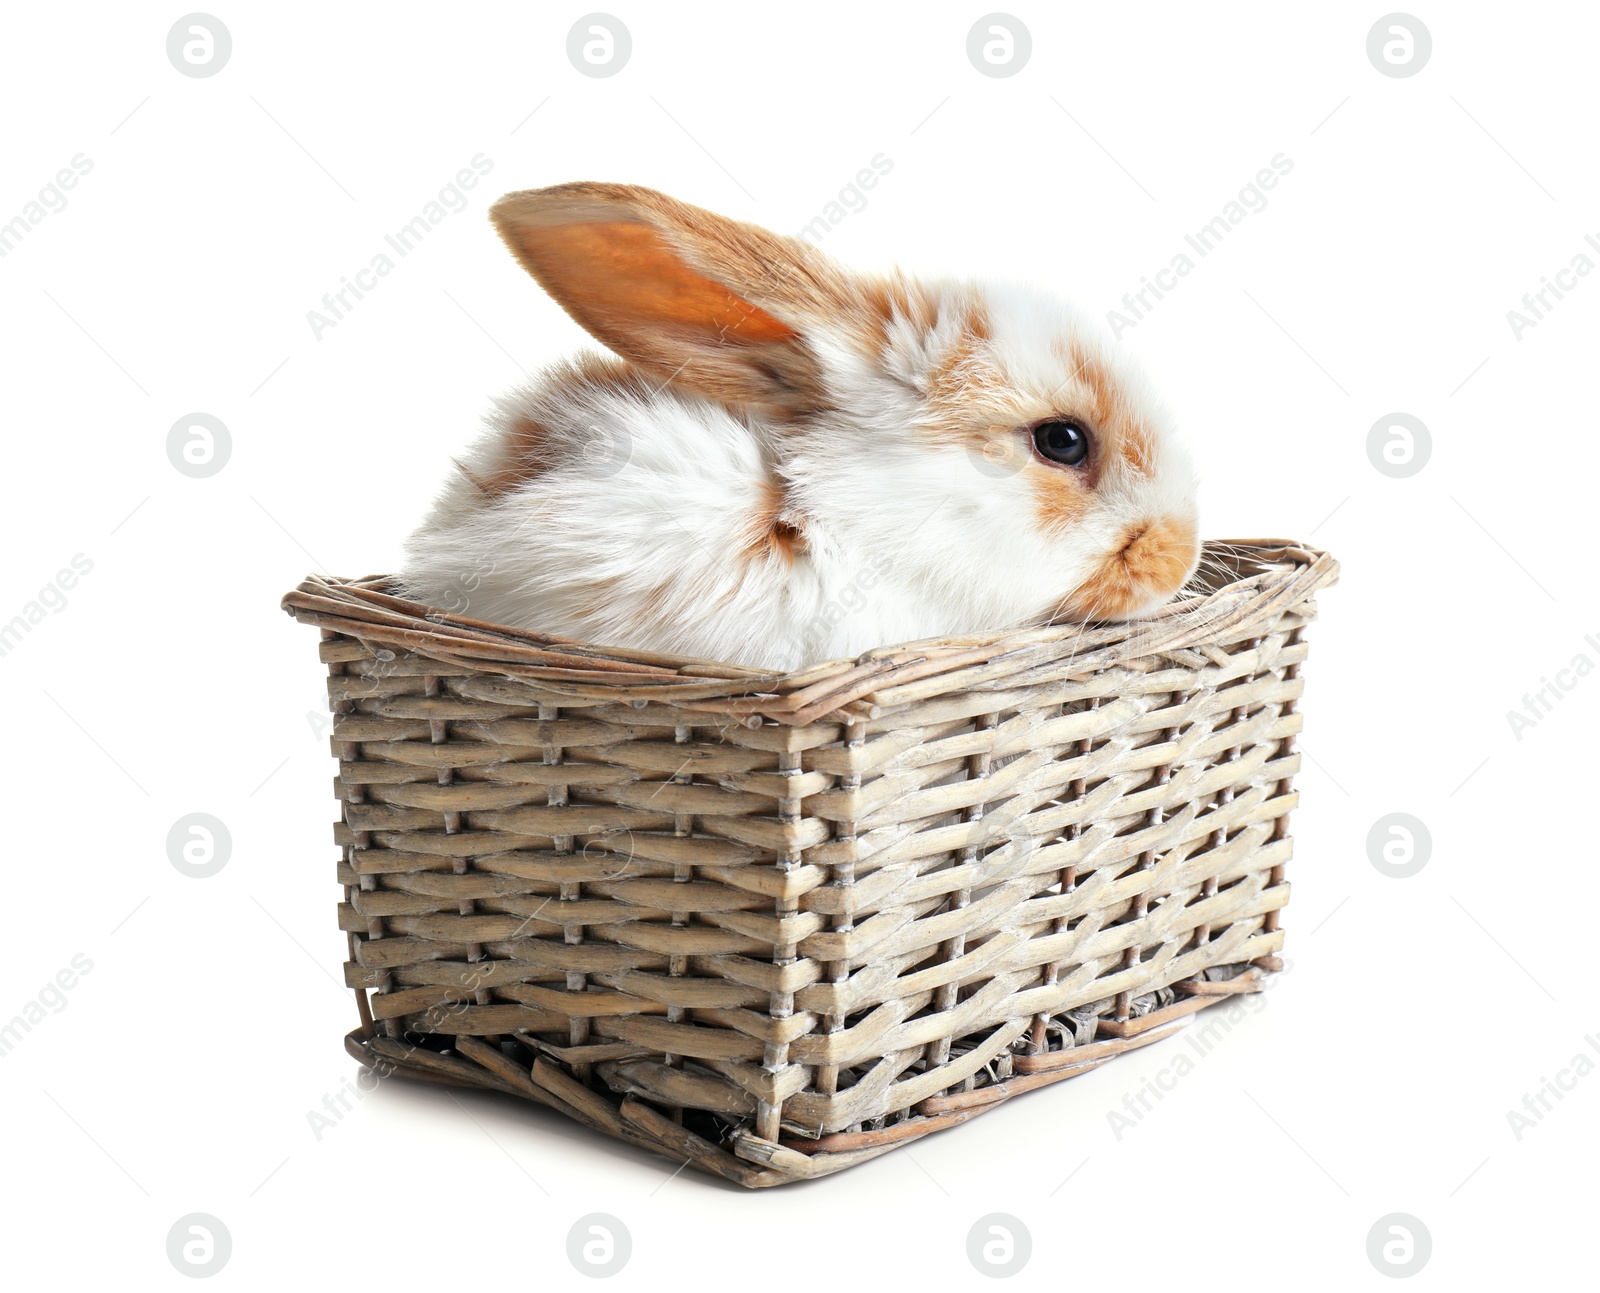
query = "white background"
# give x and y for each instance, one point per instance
(179, 1075)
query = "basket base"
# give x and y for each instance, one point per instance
(750, 1160)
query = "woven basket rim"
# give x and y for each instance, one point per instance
(1270, 575)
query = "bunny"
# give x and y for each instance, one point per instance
(789, 462)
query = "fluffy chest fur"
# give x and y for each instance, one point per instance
(657, 520)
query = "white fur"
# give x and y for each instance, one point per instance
(903, 538)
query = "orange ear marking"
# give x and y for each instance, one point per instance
(701, 301)
(624, 272)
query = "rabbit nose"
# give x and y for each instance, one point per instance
(1149, 562)
(1160, 555)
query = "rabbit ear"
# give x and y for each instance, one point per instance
(700, 300)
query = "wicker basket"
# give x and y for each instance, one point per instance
(777, 925)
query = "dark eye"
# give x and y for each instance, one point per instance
(1063, 442)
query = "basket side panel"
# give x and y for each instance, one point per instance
(1011, 883)
(611, 886)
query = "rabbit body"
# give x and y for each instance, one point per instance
(791, 464)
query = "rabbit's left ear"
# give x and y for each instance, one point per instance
(700, 300)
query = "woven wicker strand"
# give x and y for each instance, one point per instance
(777, 925)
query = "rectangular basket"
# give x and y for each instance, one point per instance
(777, 925)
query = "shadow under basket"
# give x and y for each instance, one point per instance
(776, 925)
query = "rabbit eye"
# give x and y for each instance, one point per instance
(1064, 442)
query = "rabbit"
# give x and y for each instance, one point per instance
(788, 463)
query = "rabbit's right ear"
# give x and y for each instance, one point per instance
(700, 300)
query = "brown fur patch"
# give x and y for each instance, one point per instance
(1060, 495)
(970, 401)
(1116, 427)
(525, 453)
(975, 321)
(770, 533)
(1095, 386)
(1149, 565)
(1137, 446)
(967, 363)
(528, 449)
(891, 298)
